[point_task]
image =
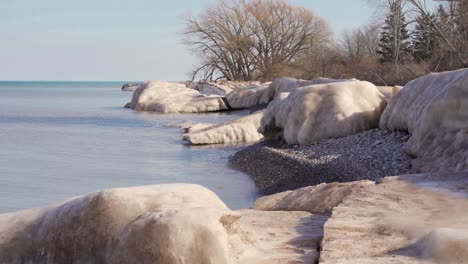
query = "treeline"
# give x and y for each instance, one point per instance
(265, 39)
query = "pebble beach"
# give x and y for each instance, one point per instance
(276, 166)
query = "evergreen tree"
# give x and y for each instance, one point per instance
(424, 38)
(461, 25)
(443, 18)
(394, 45)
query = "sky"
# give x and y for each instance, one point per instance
(118, 40)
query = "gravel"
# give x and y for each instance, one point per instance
(276, 166)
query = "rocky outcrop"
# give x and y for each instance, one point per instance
(166, 97)
(241, 130)
(130, 86)
(311, 113)
(176, 223)
(434, 109)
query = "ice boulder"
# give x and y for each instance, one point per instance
(241, 130)
(311, 113)
(166, 97)
(177, 223)
(434, 109)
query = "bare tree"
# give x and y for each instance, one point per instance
(245, 40)
(360, 43)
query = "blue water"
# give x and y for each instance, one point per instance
(63, 139)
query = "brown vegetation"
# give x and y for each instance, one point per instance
(266, 39)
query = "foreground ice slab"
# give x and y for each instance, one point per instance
(434, 109)
(419, 218)
(175, 223)
(406, 219)
(166, 97)
(311, 113)
(318, 199)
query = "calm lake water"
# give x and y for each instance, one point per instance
(63, 139)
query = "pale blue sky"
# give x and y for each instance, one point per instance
(117, 39)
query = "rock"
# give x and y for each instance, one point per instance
(405, 219)
(389, 91)
(434, 109)
(311, 113)
(250, 95)
(130, 86)
(318, 199)
(241, 130)
(174, 223)
(166, 97)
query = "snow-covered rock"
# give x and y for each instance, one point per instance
(434, 109)
(311, 113)
(389, 91)
(221, 88)
(208, 88)
(189, 126)
(258, 94)
(166, 97)
(130, 87)
(241, 130)
(250, 95)
(318, 199)
(287, 84)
